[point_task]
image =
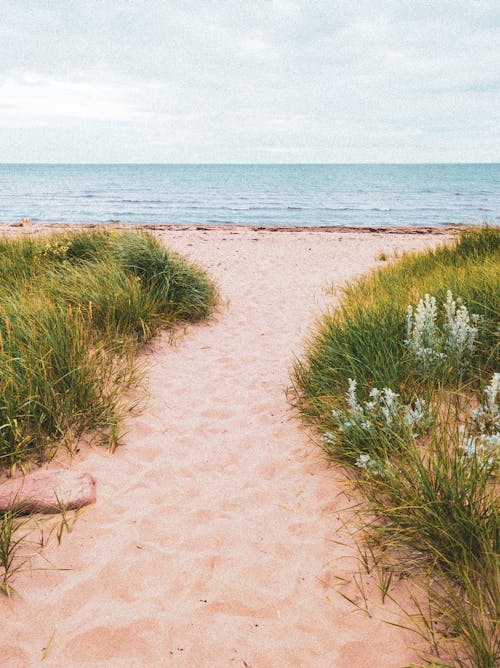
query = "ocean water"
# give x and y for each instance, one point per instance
(267, 195)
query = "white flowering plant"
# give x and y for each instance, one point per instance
(481, 441)
(376, 467)
(433, 338)
(369, 427)
(487, 417)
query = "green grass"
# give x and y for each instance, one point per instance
(73, 310)
(434, 508)
(364, 337)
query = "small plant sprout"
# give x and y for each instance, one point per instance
(11, 536)
(431, 343)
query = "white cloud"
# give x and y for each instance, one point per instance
(40, 101)
(200, 80)
(40, 98)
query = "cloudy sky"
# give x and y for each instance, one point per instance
(258, 81)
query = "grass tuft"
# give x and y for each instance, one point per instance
(74, 308)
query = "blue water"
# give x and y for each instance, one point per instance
(268, 195)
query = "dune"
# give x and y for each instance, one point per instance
(219, 534)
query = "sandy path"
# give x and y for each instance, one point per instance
(211, 541)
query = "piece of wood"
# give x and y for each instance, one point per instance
(48, 491)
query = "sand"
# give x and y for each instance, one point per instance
(214, 539)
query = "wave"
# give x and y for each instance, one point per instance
(145, 201)
(363, 209)
(160, 205)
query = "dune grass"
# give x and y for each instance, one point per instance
(421, 452)
(73, 310)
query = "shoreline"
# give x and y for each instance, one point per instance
(386, 229)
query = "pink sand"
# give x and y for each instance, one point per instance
(212, 542)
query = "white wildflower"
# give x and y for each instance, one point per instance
(487, 416)
(421, 328)
(459, 334)
(428, 343)
(352, 401)
(467, 442)
(492, 391)
(389, 405)
(329, 438)
(369, 464)
(385, 412)
(485, 447)
(374, 467)
(420, 411)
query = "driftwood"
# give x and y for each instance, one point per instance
(48, 491)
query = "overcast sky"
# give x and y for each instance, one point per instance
(258, 81)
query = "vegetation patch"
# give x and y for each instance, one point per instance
(74, 310)
(402, 382)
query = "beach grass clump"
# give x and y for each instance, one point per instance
(365, 337)
(74, 308)
(424, 451)
(437, 513)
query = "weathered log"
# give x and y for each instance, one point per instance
(48, 491)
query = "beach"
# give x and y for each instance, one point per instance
(219, 534)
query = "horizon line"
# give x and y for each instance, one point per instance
(243, 164)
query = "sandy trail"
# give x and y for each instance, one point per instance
(211, 543)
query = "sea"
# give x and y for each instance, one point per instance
(256, 195)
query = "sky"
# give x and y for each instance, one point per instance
(265, 81)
